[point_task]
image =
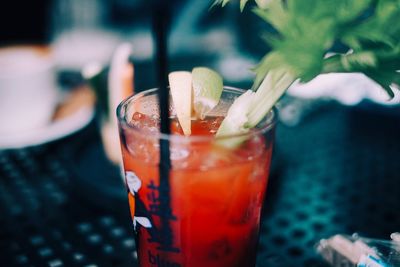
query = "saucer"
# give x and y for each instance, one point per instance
(72, 114)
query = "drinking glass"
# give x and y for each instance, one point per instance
(208, 213)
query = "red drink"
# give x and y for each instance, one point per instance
(216, 194)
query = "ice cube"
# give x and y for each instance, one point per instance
(179, 153)
(145, 122)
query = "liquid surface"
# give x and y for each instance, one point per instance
(149, 124)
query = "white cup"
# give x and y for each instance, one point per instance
(28, 88)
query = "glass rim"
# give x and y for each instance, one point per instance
(268, 123)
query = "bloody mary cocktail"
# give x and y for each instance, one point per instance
(216, 193)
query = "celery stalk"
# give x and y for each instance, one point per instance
(305, 34)
(269, 92)
(251, 107)
(236, 120)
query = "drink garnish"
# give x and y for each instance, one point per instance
(307, 32)
(252, 106)
(181, 91)
(207, 90)
(199, 90)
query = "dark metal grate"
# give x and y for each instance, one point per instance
(45, 222)
(337, 172)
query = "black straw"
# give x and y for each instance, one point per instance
(160, 24)
(160, 28)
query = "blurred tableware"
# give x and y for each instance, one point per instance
(348, 251)
(111, 85)
(80, 34)
(71, 115)
(28, 89)
(347, 88)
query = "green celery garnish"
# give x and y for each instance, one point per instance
(301, 49)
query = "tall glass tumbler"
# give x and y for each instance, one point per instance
(215, 193)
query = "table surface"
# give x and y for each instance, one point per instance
(63, 203)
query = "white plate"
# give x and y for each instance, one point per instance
(53, 131)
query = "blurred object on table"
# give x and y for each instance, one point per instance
(80, 33)
(120, 79)
(35, 108)
(120, 86)
(28, 88)
(347, 88)
(110, 91)
(74, 49)
(349, 251)
(78, 98)
(74, 112)
(396, 238)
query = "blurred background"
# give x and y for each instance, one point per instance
(84, 31)
(62, 198)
